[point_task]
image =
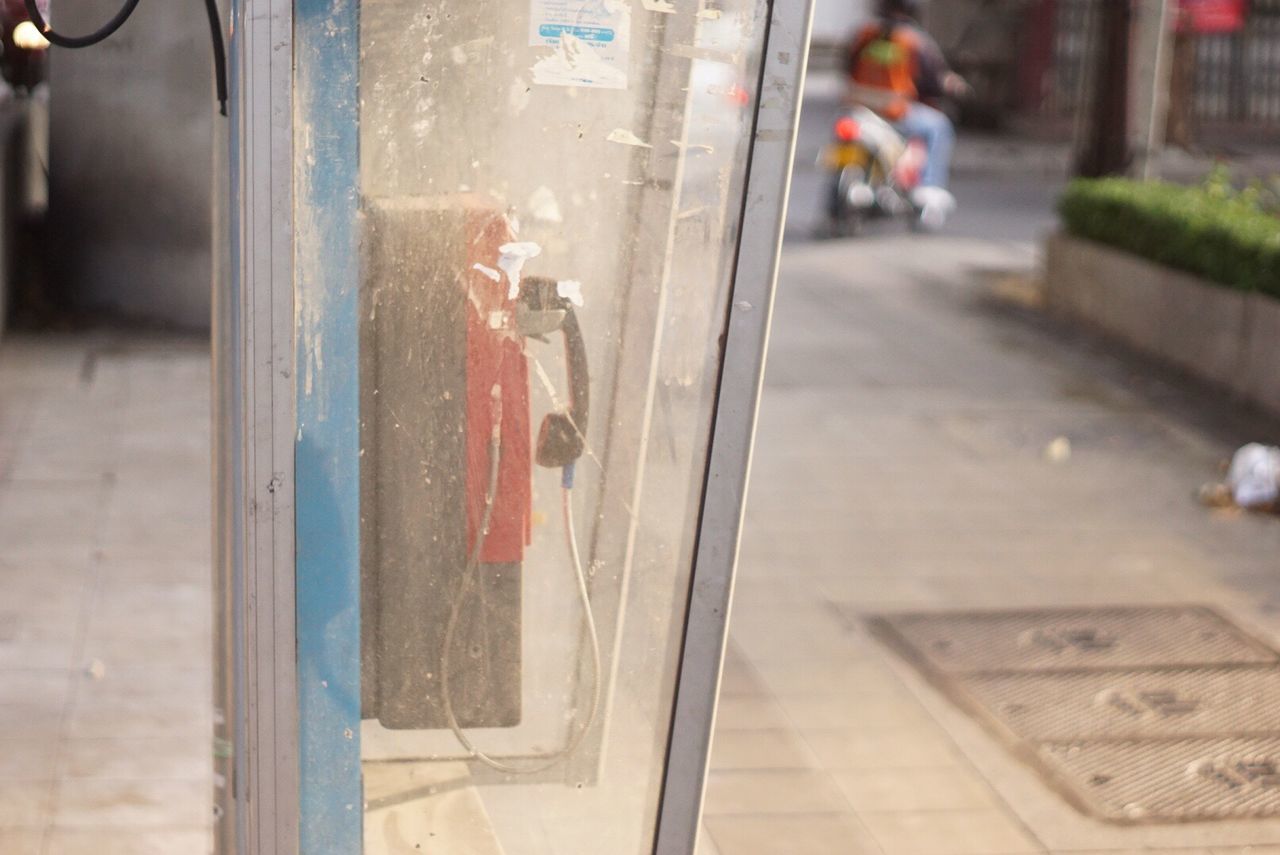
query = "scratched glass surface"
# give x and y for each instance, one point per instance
(550, 201)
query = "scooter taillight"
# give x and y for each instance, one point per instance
(847, 129)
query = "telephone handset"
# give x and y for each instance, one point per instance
(541, 310)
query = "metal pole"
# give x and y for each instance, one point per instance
(1106, 150)
(1154, 66)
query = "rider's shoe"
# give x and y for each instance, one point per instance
(935, 205)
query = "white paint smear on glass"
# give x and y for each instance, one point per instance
(697, 147)
(518, 95)
(571, 290)
(543, 206)
(625, 137)
(511, 259)
(659, 6)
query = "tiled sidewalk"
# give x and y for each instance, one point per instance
(104, 579)
(901, 466)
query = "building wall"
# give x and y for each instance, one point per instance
(983, 30)
(834, 20)
(130, 164)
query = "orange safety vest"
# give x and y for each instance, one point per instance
(885, 57)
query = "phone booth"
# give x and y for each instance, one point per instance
(489, 342)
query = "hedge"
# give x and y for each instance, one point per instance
(1224, 235)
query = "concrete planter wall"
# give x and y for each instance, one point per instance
(1224, 336)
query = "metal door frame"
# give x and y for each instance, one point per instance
(256, 777)
(742, 362)
(294, 143)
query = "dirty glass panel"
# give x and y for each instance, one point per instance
(550, 196)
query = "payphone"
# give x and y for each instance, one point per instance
(499, 278)
(446, 481)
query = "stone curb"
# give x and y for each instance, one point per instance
(1227, 337)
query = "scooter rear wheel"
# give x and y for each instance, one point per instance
(844, 219)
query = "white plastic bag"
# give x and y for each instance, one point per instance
(1254, 476)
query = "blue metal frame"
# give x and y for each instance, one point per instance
(328, 441)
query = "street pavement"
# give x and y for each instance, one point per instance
(105, 694)
(913, 389)
(913, 394)
(901, 465)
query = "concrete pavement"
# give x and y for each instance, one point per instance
(901, 466)
(104, 597)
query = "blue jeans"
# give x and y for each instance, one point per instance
(934, 129)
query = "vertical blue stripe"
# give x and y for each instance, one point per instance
(326, 150)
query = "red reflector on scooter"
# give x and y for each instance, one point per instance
(847, 129)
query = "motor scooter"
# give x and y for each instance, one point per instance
(877, 171)
(874, 173)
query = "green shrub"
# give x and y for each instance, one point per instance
(1225, 235)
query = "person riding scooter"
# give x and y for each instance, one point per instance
(893, 67)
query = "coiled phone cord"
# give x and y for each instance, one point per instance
(107, 29)
(468, 580)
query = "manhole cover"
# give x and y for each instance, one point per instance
(1156, 703)
(1075, 638)
(1137, 714)
(1194, 779)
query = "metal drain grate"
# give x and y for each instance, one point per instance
(1195, 779)
(1143, 714)
(1133, 704)
(1076, 638)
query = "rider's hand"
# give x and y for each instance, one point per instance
(956, 86)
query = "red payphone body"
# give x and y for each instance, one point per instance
(447, 458)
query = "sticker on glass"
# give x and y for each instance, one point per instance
(589, 42)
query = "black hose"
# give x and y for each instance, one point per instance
(219, 53)
(54, 37)
(103, 32)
